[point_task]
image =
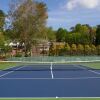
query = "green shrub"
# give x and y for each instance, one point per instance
(80, 49)
(18, 55)
(98, 49)
(93, 50)
(87, 50)
(73, 49)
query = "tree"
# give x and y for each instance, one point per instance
(51, 34)
(92, 33)
(9, 35)
(69, 38)
(28, 19)
(61, 35)
(2, 42)
(85, 39)
(98, 49)
(98, 35)
(77, 38)
(80, 34)
(77, 28)
(80, 29)
(2, 20)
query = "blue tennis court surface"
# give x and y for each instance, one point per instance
(27, 81)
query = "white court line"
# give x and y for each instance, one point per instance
(10, 72)
(88, 70)
(9, 68)
(51, 71)
(77, 78)
(47, 98)
(94, 72)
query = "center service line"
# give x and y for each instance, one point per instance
(51, 71)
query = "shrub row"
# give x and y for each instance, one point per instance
(74, 49)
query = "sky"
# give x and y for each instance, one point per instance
(68, 13)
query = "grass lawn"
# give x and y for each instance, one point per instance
(94, 65)
(6, 65)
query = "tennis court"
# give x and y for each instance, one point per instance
(49, 80)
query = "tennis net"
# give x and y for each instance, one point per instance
(47, 66)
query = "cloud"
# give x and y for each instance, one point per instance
(90, 4)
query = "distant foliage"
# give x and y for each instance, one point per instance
(87, 49)
(61, 35)
(98, 35)
(80, 40)
(2, 20)
(67, 47)
(80, 49)
(74, 49)
(28, 26)
(98, 49)
(93, 50)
